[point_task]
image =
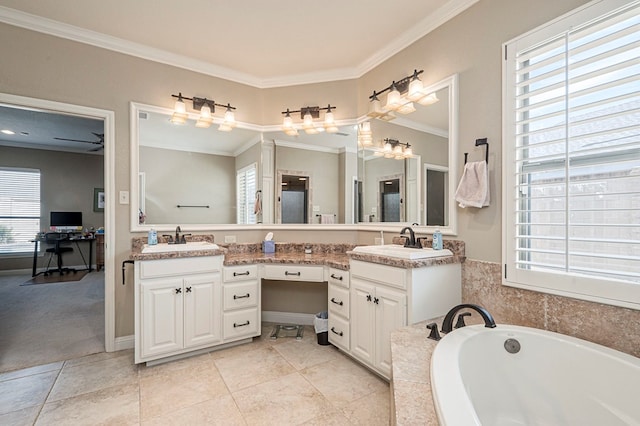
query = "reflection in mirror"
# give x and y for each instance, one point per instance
(427, 175)
(294, 198)
(190, 175)
(329, 162)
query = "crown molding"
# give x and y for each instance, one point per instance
(415, 33)
(421, 127)
(58, 29)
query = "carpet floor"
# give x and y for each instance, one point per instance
(41, 324)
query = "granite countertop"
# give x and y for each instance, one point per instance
(411, 351)
(332, 255)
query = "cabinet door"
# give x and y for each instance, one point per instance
(362, 320)
(390, 315)
(161, 317)
(202, 310)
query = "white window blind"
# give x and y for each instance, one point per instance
(246, 194)
(19, 209)
(572, 152)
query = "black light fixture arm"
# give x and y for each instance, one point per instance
(394, 142)
(402, 85)
(313, 110)
(198, 103)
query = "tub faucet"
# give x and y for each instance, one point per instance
(411, 242)
(447, 324)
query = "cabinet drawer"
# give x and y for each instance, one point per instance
(339, 301)
(182, 266)
(242, 323)
(240, 295)
(240, 273)
(338, 277)
(293, 272)
(383, 274)
(339, 332)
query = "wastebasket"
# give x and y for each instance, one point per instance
(321, 325)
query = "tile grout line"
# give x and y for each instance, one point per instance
(48, 393)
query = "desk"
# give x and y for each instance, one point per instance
(76, 240)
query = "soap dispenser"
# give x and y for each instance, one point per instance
(152, 237)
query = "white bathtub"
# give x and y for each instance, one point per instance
(553, 380)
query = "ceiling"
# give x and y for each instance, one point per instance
(256, 42)
(264, 44)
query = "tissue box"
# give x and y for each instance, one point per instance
(268, 246)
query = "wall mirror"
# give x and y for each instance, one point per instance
(185, 175)
(392, 190)
(328, 163)
(182, 174)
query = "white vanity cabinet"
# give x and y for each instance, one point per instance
(177, 306)
(339, 308)
(241, 293)
(384, 298)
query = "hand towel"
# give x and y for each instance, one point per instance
(257, 207)
(327, 218)
(473, 190)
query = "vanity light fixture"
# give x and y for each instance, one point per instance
(393, 148)
(308, 114)
(206, 107)
(402, 94)
(365, 136)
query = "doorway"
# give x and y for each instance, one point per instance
(104, 140)
(294, 197)
(436, 195)
(391, 198)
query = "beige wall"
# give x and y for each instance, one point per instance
(470, 45)
(188, 178)
(67, 181)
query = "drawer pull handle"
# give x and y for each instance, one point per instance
(188, 289)
(235, 325)
(333, 300)
(235, 296)
(238, 274)
(287, 273)
(336, 277)
(178, 290)
(333, 330)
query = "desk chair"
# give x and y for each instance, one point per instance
(56, 239)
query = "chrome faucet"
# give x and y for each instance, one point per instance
(411, 241)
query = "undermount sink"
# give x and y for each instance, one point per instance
(169, 248)
(394, 250)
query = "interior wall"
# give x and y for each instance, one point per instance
(169, 177)
(67, 181)
(470, 45)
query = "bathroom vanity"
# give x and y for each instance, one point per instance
(198, 298)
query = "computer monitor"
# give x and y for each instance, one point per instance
(65, 221)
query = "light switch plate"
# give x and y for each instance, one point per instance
(124, 197)
(229, 238)
(316, 208)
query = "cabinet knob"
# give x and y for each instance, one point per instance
(188, 289)
(368, 298)
(376, 300)
(178, 290)
(333, 300)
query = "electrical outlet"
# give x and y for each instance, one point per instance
(229, 238)
(316, 208)
(124, 197)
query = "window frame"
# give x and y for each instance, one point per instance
(597, 289)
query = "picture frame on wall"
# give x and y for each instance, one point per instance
(98, 199)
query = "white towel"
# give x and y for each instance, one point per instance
(327, 218)
(257, 207)
(473, 190)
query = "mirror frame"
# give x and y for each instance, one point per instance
(451, 229)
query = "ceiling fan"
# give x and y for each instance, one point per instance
(99, 142)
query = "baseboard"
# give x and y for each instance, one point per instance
(41, 269)
(287, 317)
(124, 342)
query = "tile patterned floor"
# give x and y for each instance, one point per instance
(267, 382)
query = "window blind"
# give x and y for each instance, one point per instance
(19, 209)
(572, 193)
(246, 190)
